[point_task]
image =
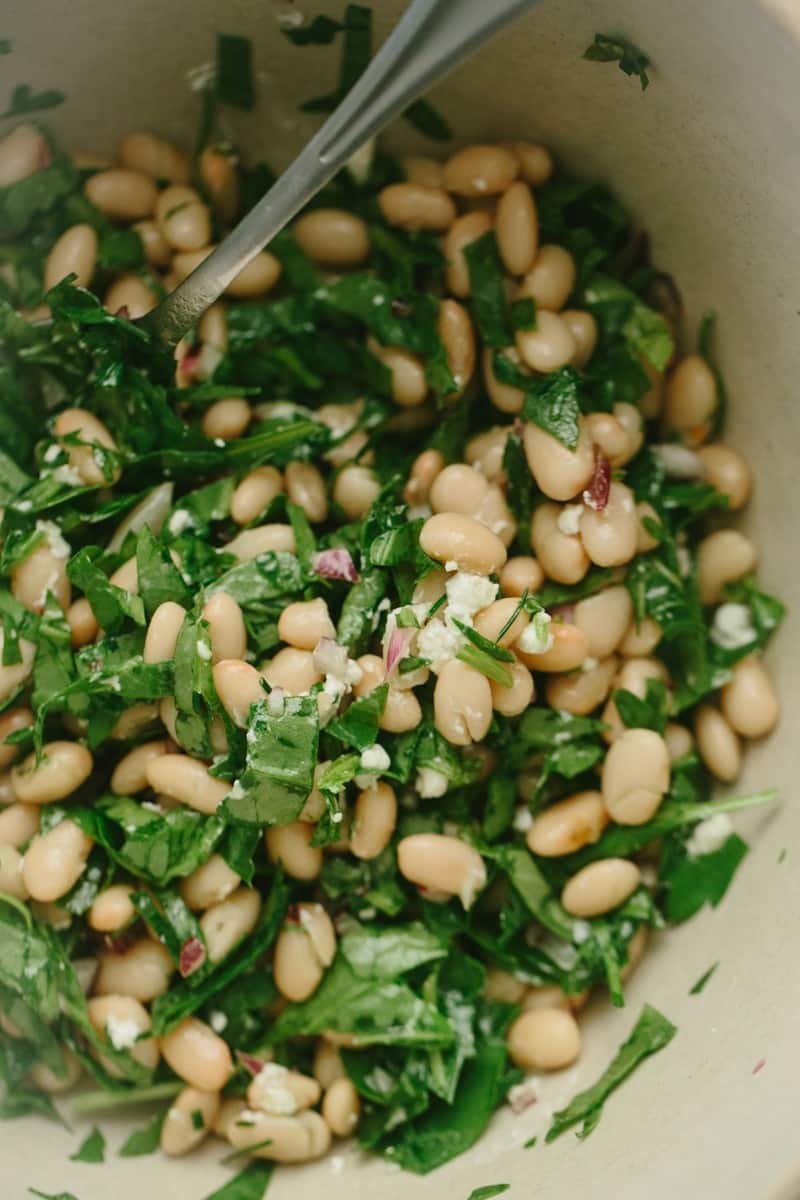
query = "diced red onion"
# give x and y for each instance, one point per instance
(250, 1063)
(564, 612)
(762, 1062)
(596, 494)
(193, 955)
(335, 564)
(397, 647)
(330, 658)
(520, 1097)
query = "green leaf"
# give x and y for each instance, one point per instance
(645, 331)
(358, 726)
(705, 340)
(553, 403)
(105, 1101)
(487, 291)
(648, 713)
(651, 1033)
(524, 874)
(25, 100)
(52, 1195)
(697, 988)
(427, 120)
(145, 1140)
(249, 1184)
(689, 883)
(375, 952)
(234, 83)
(281, 756)
(523, 313)
(614, 48)
(359, 609)
(111, 605)
(92, 1149)
(490, 1189)
(356, 51)
(159, 578)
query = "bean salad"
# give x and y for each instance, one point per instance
(367, 663)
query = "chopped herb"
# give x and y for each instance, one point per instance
(703, 980)
(92, 1149)
(145, 1140)
(428, 121)
(531, 1142)
(613, 48)
(705, 340)
(486, 1193)
(249, 1184)
(235, 70)
(487, 291)
(25, 100)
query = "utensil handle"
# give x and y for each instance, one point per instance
(432, 38)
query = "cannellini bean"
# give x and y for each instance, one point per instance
(187, 225)
(12, 882)
(630, 418)
(156, 248)
(18, 823)
(258, 277)
(719, 746)
(462, 704)
(414, 206)
(401, 712)
(47, 1080)
(513, 700)
(12, 721)
(83, 626)
(14, 675)
(209, 884)
(600, 887)
(463, 230)
(332, 237)
(341, 1107)
(129, 296)
(458, 338)
(108, 1014)
(354, 490)
(228, 922)
(230, 1110)
(490, 622)
(568, 825)
(293, 670)
(560, 472)
(435, 862)
(227, 418)
(604, 618)
(375, 819)
(238, 685)
(253, 493)
(749, 702)
(487, 450)
(122, 194)
(305, 487)
(545, 1039)
(64, 766)
(722, 557)
(91, 429)
(727, 471)
(501, 985)
(304, 623)
(23, 152)
(154, 156)
(424, 470)
(583, 328)
(610, 437)
(560, 555)
(184, 262)
(633, 677)
(690, 397)
(142, 971)
(327, 1065)
(536, 162)
(537, 998)
(480, 171)
(567, 652)
(453, 537)
(296, 1139)
(198, 1055)
(420, 169)
(635, 776)
(408, 382)
(504, 396)
(134, 721)
(280, 1092)
(304, 949)
(550, 280)
(609, 537)
(54, 861)
(130, 774)
(679, 741)
(644, 538)
(189, 1119)
(74, 253)
(581, 692)
(521, 574)
(259, 540)
(186, 780)
(641, 639)
(112, 909)
(517, 228)
(162, 632)
(213, 327)
(226, 628)
(218, 172)
(549, 346)
(459, 488)
(126, 576)
(290, 845)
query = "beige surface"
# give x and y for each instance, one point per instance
(710, 156)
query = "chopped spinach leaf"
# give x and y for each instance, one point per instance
(250, 1184)
(698, 987)
(145, 1140)
(92, 1149)
(614, 48)
(234, 81)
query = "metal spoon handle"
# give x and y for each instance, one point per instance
(432, 38)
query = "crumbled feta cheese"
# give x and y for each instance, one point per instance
(237, 791)
(122, 1033)
(684, 560)
(468, 594)
(679, 462)
(217, 1020)
(732, 626)
(180, 520)
(246, 1118)
(523, 819)
(375, 758)
(275, 702)
(439, 642)
(536, 636)
(203, 650)
(569, 519)
(581, 931)
(59, 546)
(68, 474)
(709, 835)
(220, 443)
(430, 783)
(51, 453)
(24, 505)
(419, 512)
(589, 663)
(268, 1091)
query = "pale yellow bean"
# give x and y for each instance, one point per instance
(189, 1119)
(375, 819)
(305, 486)
(154, 156)
(413, 206)
(749, 702)
(513, 700)
(142, 970)
(504, 396)
(341, 1107)
(401, 712)
(641, 638)
(465, 229)
(253, 493)
(424, 470)
(226, 923)
(261, 539)
(327, 1065)
(47, 1080)
(630, 418)
(408, 383)
(633, 677)
(156, 248)
(12, 721)
(636, 948)
(679, 741)
(213, 327)
(722, 557)
(226, 628)
(458, 338)
(292, 670)
(568, 825)
(304, 949)
(652, 402)
(480, 170)
(23, 152)
(560, 472)
(209, 884)
(122, 194)
(438, 863)
(290, 845)
(130, 774)
(690, 398)
(354, 490)
(187, 226)
(129, 296)
(567, 652)
(453, 537)
(560, 555)
(549, 996)
(581, 692)
(83, 626)
(487, 450)
(14, 675)
(90, 429)
(64, 766)
(186, 780)
(517, 228)
(458, 488)
(462, 704)
(258, 277)
(644, 538)
(545, 1039)
(727, 471)
(162, 632)
(549, 346)
(112, 909)
(304, 623)
(296, 1139)
(126, 576)
(332, 237)
(54, 861)
(491, 621)
(134, 721)
(420, 169)
(280, 1092)
(12, 882)
(609, 537)
(18, 823)
(230, 1110)
(521, 574)
(501, 985)
(238, 685)
(197, 1055)
(74, 253)
(719, 747)
(184, 262)
(227, 419)
(604, 618)
(635, 776)
(220, 178)
(600, 887)
(120, 1019)
(550, 280)
(536, 162)
(583, 328)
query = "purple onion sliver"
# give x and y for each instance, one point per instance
(193, 955)
(335, 564)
